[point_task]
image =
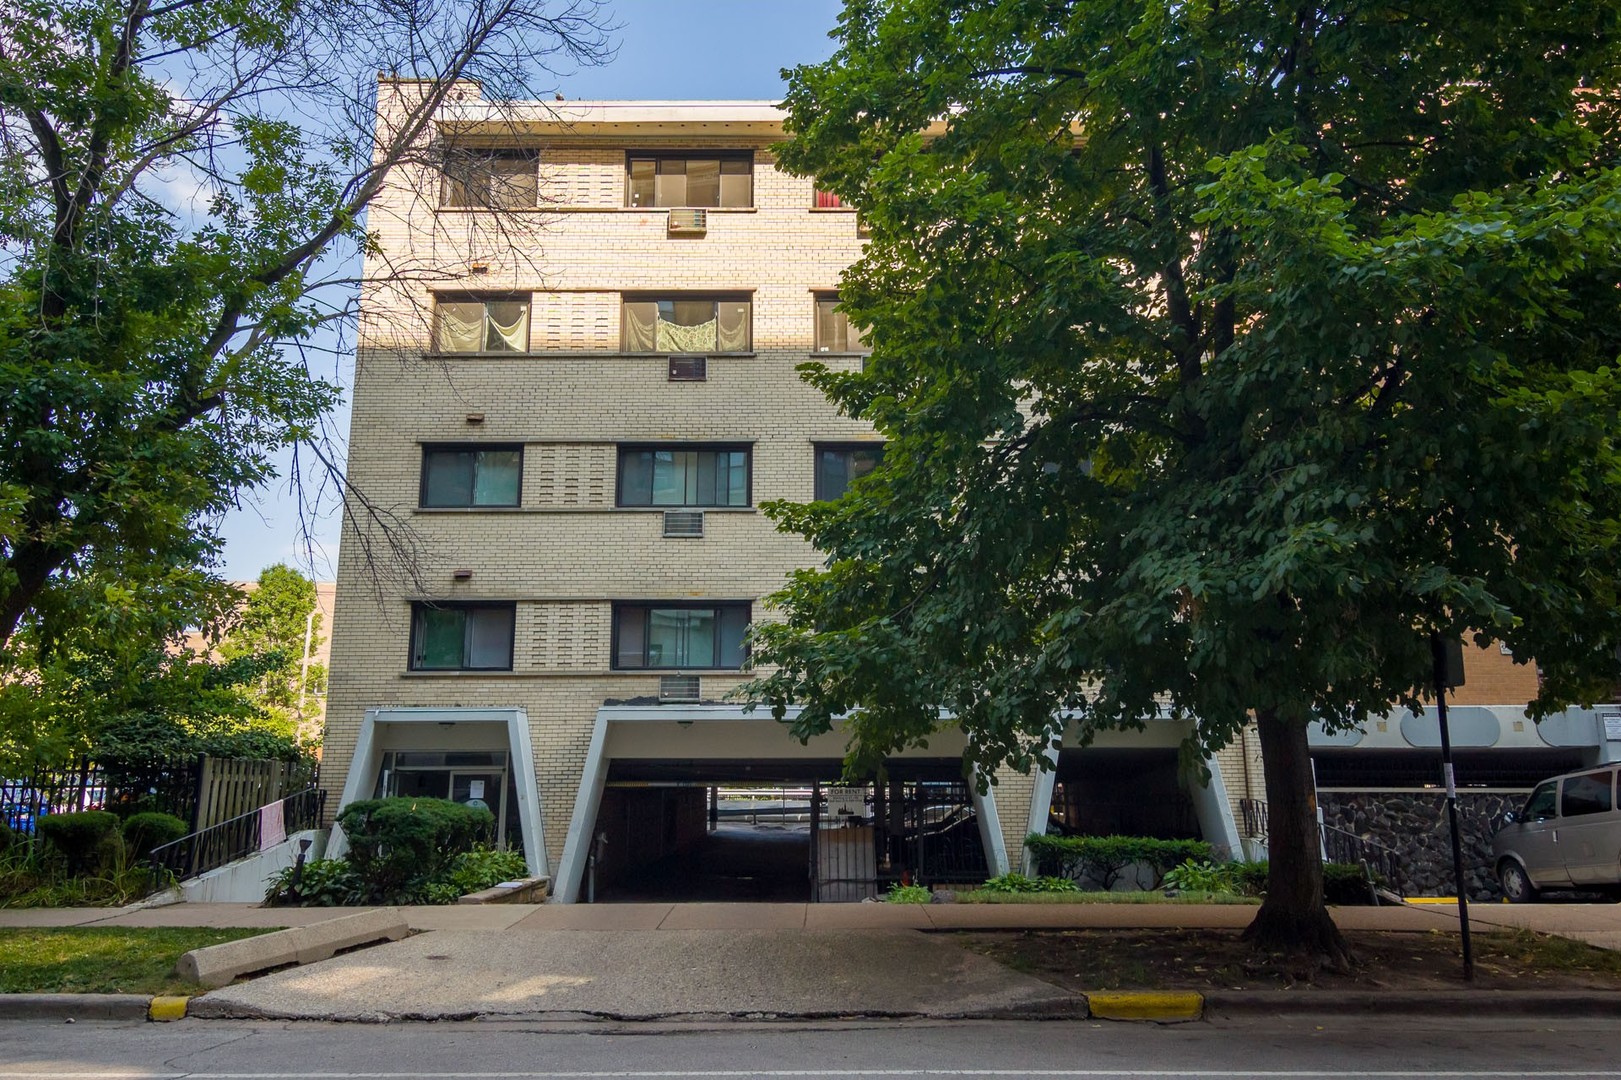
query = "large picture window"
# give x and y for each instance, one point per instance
(684, 476)
(489, 179)
(838, 466)
(698, 179)
(685, 324)
(833, 330)
(461, 637)
(471, 475)
(473, 324)
(686, 636)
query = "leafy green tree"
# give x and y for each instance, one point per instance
(280, 624)
(154, 349)
(1226, 353)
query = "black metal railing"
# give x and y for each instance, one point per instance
(1254, 821)
(1340, 846)
(213, 847)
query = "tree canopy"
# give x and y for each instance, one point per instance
(280, 622)
(154, 346)
(1225, 353)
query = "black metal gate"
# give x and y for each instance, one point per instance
(923, 832)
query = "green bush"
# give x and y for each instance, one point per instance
(1018, 883)
(473, 871)
(909, 894)
(145, 831)
(1105, 858)
(323, 883)
(397, 846)
(1203, 876)
(88, 839)
(7, 837)
(1343, 883)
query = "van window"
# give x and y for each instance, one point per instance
(1585, 794)
(1539, 807)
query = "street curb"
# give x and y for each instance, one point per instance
(74, 1006)
(166, 1007)
(1420, 1003)
(1164, 1006)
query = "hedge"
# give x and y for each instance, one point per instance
(396, 845)
(1343, 883)
(1105, 858)
(86, 839)
(151, 829)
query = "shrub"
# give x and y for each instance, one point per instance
(86, 839)
(473, 871)
(1205, 876)
(1105, 858)
(1343, 883)
(143, 832)
(1018, 883)
(7, 837)
(399, 845)
(323, 883)
(909, 894)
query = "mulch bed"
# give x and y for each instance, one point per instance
(1085, 960)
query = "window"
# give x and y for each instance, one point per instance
(683, 476)
(1589, 794)
(696, 180)
(685, 325)
(461, 637)
(660, 635)
(838, 466)
(833, 330)
(489, 179)
(826, 200)
(1539, 807)
(471, 475)
(469, 324)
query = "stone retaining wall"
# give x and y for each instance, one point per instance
(1414, 824)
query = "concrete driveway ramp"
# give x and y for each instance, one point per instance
(219, 965)
(648, 975)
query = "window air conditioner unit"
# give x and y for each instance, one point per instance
(678, 688)
(689, 368)
(689, 222)
(687, 524)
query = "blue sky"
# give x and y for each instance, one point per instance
(668, 50)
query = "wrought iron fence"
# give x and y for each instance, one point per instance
(1254, 818)
(166, 787)
(213, 847)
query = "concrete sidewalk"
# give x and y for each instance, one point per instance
(1583, 921)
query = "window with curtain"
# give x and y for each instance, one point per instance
(470, 324)
(680, 636)
(833, 330)
(696, 179)
(471, 475)
(838, 466)
(685, 324)
(826, 200)
(683, 476)
(462, 637)
(489, 179)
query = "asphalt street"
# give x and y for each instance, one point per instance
(1324, 1047)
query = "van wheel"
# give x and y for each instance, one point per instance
(1516, 885)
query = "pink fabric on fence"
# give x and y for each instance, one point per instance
(272, 826)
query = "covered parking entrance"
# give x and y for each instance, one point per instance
(774, 825)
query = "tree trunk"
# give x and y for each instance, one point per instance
(1293, 917)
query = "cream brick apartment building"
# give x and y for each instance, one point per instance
(578, 404)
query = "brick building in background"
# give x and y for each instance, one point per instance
(578, 402)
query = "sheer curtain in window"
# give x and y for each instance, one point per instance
(461, 326)
(508, 326)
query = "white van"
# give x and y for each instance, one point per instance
(1568, 836)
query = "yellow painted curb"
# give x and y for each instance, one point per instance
(1146, 1004)
(167, 1007)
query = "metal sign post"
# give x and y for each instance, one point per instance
(1445, 676)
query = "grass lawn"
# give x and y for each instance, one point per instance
(101, 960)
(985, 896)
